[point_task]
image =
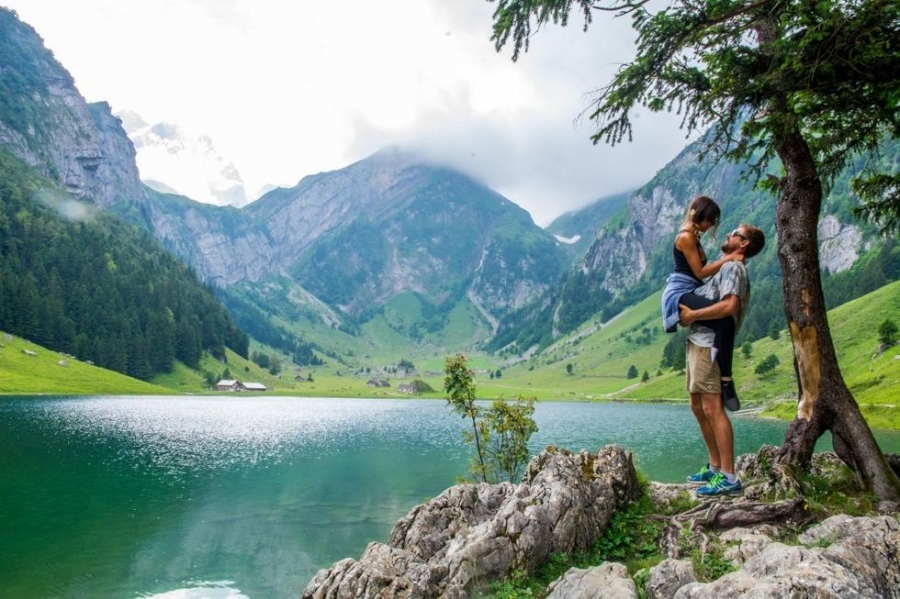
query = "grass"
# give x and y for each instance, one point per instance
(49, 373)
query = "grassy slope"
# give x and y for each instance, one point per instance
(43, 374)
(874, 378)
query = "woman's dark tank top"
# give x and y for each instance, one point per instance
(681, 263)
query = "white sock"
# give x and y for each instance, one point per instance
(715, 469)
(731, 478)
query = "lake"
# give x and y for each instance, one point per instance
(247, 497)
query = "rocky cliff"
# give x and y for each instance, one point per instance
(49, 125)
(471, 535)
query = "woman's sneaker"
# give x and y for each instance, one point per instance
(729, 396)
(719, 485)
(702, 477)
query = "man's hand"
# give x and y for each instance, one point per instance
(687, 316)
(725, 307)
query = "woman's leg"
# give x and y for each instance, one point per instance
(724, 328)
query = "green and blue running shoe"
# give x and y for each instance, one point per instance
(719, 485)
(702, 477)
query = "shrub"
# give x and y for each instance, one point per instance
(768, 365)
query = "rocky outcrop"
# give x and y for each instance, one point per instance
(471, 535)
(606, 581)
(839, 244)
(81, 147)
(841, 557)
(115, 179)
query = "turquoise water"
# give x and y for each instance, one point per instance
(247, 497)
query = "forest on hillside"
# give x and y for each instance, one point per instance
(97, 288)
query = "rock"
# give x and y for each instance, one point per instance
(471, 535)
(744, 543)
(839, 244)
(666, 495)
(667, 577)
(861, 559)
(606, 581)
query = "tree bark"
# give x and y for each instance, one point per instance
(824, 402)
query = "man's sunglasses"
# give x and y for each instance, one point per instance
(737, 233)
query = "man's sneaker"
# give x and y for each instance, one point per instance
(719, 485)
(702, 477)
(729, 396)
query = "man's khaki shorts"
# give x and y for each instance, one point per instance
(703, 375)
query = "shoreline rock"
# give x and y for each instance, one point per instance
(475, 534)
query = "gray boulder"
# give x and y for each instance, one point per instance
(842, 557)
(606, 581)
(471, 535)
(667, 577)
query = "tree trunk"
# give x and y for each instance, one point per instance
(824, 402)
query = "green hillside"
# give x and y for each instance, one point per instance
(601, 356)
(82, 282)
(47, 372)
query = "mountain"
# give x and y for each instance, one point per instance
(172, 160)
(392, 236)
(576, 229)
(350, 241)
(630, 255)
(73, 277)
(395, 254)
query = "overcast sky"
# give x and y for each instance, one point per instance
(288, 88)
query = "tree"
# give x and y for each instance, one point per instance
(747, 349)
(887, 332)
(767, 365)
(420, 386)
(569, 368)
(274, 366)
(500, 433)
(511, 425)
(632, 372)
(811, 84)
(459, 384)
(645, 377)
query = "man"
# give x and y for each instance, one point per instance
(730, 289)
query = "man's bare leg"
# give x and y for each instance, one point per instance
(706, 430)
(720, 427)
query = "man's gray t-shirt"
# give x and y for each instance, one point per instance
(731, 279)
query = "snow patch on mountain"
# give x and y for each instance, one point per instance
(567, 240)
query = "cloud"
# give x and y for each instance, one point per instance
(285, 89)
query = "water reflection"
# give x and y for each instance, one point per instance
(212, 590)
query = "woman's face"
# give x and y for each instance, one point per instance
(705, 225)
